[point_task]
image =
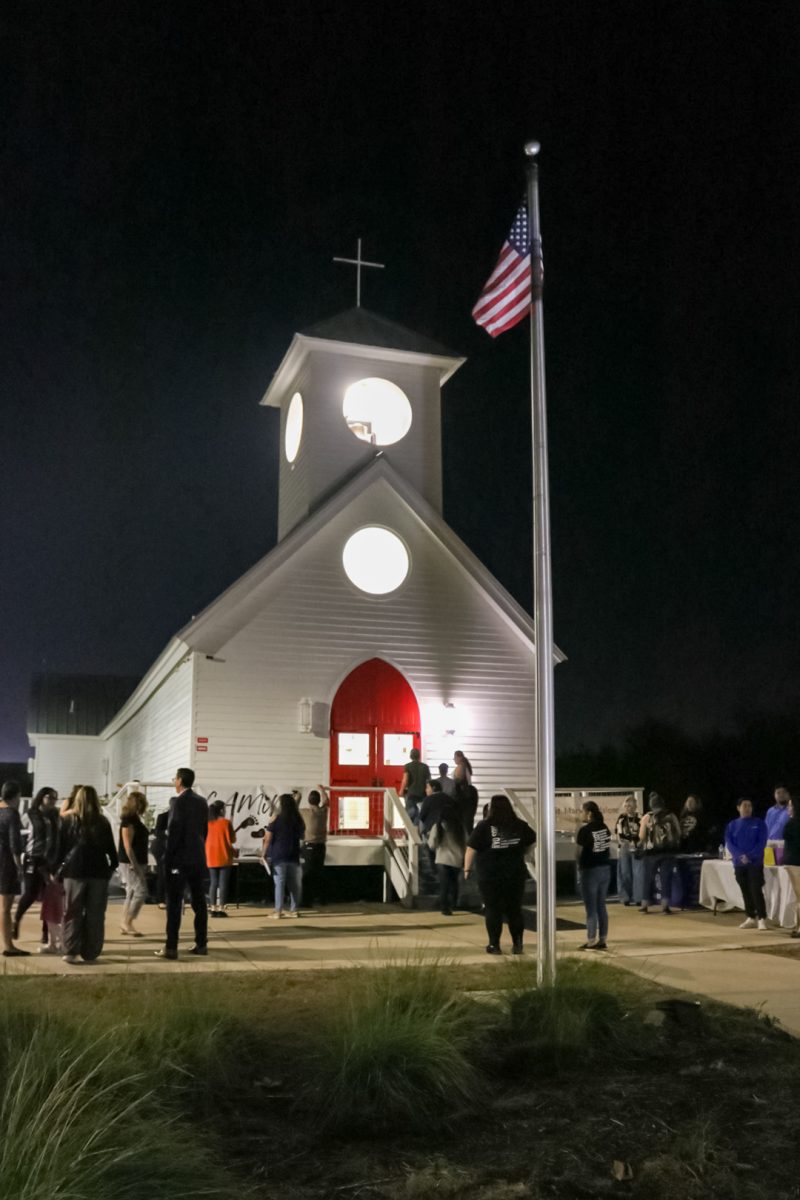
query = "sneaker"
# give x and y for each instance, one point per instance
(15, 952)
(795, 933)
(587, 946)
(643, 908)
(72, 959)
(490, 949)
(598, 946)
(199, 950)
(293, 913)
(762, 925)
(165, 953)
(46, 948)
(666, 912)
(447, 912)
(275, 916)
(220, 913)
(517, 948)
(748, 923)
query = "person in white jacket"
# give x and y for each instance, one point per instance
(447, 840)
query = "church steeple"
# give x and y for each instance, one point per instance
(347, 387)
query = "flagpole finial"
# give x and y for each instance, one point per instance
(532, 149)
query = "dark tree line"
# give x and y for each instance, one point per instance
(762, 750)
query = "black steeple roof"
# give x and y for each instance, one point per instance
(364, 328)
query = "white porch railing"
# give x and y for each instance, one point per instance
(400, 853)
(114, 806)
(569, 801)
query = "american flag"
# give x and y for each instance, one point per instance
(506, 295)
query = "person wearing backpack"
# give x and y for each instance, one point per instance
(659, 839)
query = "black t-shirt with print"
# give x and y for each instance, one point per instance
(501, 849)
(594, 839)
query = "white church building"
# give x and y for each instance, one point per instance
(369, 628)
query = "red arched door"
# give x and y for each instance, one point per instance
(374, 724)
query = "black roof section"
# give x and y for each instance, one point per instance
(78, 704)
(364, 328)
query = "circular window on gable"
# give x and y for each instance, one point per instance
(294, 427)
(377, 411)
(375, 560)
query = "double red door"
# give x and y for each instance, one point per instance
(374, 725)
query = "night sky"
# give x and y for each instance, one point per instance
(175, 182)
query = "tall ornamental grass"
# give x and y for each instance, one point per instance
(77, 1126)
(395, 1052)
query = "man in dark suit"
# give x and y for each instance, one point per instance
(185, 864)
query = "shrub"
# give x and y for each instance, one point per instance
(395, 1054)
(74, 1128)
(561, 1026)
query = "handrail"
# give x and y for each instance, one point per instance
(402, 853)
(133, 785)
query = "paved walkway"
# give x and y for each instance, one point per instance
(697, 952)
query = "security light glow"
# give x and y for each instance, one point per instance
(375, 560)
(377, 411)
(294, 427)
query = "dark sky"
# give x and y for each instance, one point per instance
(175, 181)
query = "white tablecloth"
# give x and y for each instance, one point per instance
(718, 886)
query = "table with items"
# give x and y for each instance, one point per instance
(719, 890)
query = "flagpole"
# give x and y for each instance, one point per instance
(542, 607)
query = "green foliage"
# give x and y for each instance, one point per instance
(395, 1053)
(78, 1124)
(564, 1027)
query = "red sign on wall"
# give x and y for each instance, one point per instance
(200, 749)
(199, 740)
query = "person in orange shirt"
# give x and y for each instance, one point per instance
(220, 852)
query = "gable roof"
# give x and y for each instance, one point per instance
(240, 603)
(231, 611)
(365, 328)
(359, 333)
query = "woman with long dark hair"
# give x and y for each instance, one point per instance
(90, 859)
(281, 849)
(497, 848)
(35, 875)
(465, 794)
(593, 854)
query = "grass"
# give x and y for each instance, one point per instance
(396, 1053)
(78, 1125)
(388, 1084)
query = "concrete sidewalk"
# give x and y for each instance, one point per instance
(697, 952)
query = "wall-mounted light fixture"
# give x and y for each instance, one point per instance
(449, 712)
(305, 711)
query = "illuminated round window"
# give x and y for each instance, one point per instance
(294, 427)
(375, 560)
(377, 411)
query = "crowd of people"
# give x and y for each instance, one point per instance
(660, 856)
(70, 856)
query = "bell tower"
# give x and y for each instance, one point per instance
(348, 388)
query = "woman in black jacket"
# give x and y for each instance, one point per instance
(497, 847)
(35, 875)
(90, 859)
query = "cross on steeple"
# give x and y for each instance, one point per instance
(358, 262)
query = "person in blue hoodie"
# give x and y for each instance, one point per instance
(745, 839)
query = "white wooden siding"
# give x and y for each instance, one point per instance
(438, 629)
(158, 738)
(62, 760)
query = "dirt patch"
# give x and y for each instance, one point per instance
(792, 950)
